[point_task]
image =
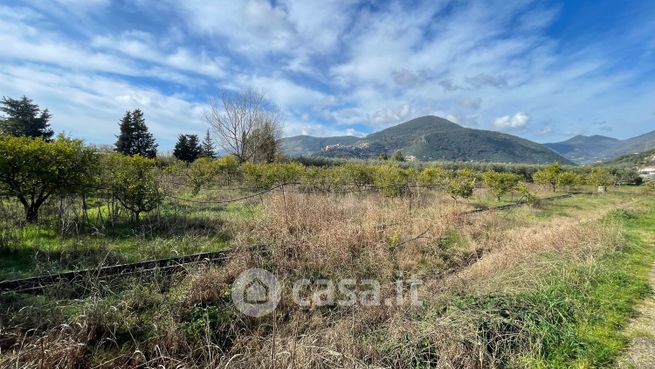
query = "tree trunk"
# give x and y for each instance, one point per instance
(31, 214)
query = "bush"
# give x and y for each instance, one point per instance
(397, 156)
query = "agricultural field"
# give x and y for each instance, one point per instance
(549, 281)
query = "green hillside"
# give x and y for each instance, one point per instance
(432, 138)
(638, 160)
(308, 145)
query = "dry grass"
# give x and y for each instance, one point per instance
(342, 236)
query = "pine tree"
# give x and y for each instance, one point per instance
(24, 118)
(125, 142)
(181, 148)
(208, 148)
(187, 148)
(144, 141)
(134, 138)
(195, 150)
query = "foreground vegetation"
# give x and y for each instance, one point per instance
(542, 286)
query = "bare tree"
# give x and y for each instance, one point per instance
(245, 124)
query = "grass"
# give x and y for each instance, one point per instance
(544, 287)
(28, 250)
(575, 319)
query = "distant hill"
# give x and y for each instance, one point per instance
(308, 145)
(585, 149)
(590, 149)
(638, 160)
(433, 138)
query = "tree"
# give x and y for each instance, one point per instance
(187, 148)
(600, 178)
(462, 184)
(433, 176)
(208, 148)
(24, 118)
(134, 183)
(134, 138)
(549, 175)
(500, 183)
(567, 179)
(245, 124)
(267, 141)
(32, 169)
(397, 156)
(383, 156)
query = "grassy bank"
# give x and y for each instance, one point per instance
(575, 319)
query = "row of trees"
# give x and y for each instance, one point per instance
(246, 125)
(188, 148)
(33, 170)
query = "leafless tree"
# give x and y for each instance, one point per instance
(246, 125)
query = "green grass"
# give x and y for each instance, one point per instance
(181, 229)
(575, 319)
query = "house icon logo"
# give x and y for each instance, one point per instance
(256, 292)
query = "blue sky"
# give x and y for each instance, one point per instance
(541, 70)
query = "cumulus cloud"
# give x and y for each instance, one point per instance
(518, 120)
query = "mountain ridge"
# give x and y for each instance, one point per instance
(430, 138)
(597, 148)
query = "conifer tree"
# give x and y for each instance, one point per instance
(134, 137)
(24, 118)
(187, 148)
(125, 141)
(208, 148)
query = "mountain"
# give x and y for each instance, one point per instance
(308, 145)
(637, 160)
(589, 149)
(584, 149)
(433, 138)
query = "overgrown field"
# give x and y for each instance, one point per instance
(548, 284)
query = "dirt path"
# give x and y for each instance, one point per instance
(641, 330)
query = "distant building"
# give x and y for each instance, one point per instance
(647, 172)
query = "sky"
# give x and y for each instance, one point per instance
(543, 70)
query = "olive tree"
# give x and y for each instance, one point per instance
(32, 170)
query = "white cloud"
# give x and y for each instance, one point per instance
(518, 120)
